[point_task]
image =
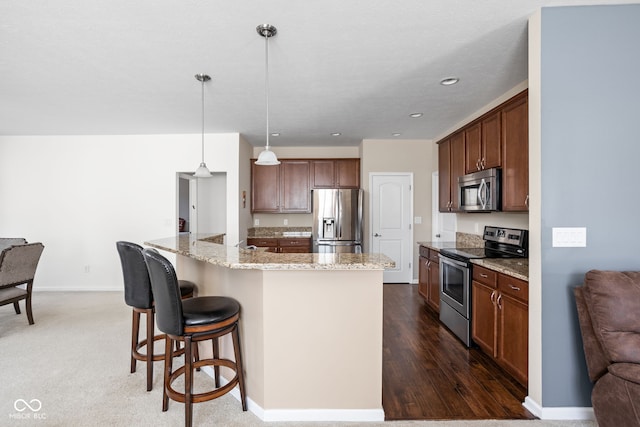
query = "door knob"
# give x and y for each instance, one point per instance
(377, 235)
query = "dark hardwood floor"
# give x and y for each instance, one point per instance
(428, 374)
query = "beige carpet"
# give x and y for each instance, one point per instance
(75, 362)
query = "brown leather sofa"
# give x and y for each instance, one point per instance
(609, 314)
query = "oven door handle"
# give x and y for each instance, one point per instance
(445, 259)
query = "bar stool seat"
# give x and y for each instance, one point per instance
(192, 321)
(139, 296)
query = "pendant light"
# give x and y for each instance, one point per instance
(267, 157)
(202, 171)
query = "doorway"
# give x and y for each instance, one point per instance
(391, 208)
(202, 203)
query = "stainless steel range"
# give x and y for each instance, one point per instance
(456, 274)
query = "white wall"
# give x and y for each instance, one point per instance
(78, 195)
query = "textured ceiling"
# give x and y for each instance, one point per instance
(358, 67)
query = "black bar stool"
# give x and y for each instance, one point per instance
(139, 296)
(192, 321)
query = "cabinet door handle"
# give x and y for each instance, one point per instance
(526, 201)
(483, 163)
(498, 301)
(493, 298)
(478, 164)
(515, 288)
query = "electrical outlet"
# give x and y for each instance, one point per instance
(256, 222)
(87, 269)
(286, 221)
(417, 220)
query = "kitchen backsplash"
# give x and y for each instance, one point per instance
(466, 240)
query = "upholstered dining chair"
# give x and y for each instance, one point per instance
(192, 321)
(5, 242)
(18, 266)
(139, 296)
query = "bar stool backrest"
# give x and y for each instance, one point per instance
(137, 286)
(166, 291)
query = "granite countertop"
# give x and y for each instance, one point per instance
(515, 267)
(197, 247)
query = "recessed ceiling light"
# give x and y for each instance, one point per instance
(275, 134)
(336, 134)
(396, 134)
(449, 81)
(415, 115)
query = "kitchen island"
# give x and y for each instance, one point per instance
(311, 326)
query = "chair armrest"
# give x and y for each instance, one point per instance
(626, 371)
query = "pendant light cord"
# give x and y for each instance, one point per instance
(203, 120)
(266, 81)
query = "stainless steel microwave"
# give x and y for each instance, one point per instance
(480, 191)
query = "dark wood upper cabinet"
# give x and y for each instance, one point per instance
(498, 139)
(286, 188)
(491, 155)
(281, 189)
(444, 176)
(483, 145)
(348, 173)
(451, 165)
(335, 173)
(473, 147)
(265, 188)
(323, 173)
(515, 149)
(295, 192)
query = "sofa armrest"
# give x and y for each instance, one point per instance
(595, 356)
(627, 371)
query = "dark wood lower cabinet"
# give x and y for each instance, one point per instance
(514, 337)
(429, 277)
(500, 320)
(483, 327)
(282, 245)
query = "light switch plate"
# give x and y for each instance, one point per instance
(569, 237)
(417, 220)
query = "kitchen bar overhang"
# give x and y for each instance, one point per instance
(311, 326)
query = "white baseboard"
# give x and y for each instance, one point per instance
(271, 415)
(558, 413)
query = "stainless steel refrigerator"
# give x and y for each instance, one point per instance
(337, 220)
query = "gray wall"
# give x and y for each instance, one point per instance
(590, 170)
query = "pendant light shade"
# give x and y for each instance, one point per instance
(202, 171)
(267, 157)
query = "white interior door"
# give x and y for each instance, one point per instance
(443, 225)
(391, 226)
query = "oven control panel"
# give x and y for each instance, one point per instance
(510, 236)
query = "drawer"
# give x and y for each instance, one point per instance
(514, 287)
(262, 241)
(295, 242)
(424, 251)
(434, 256)
(485, 276)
